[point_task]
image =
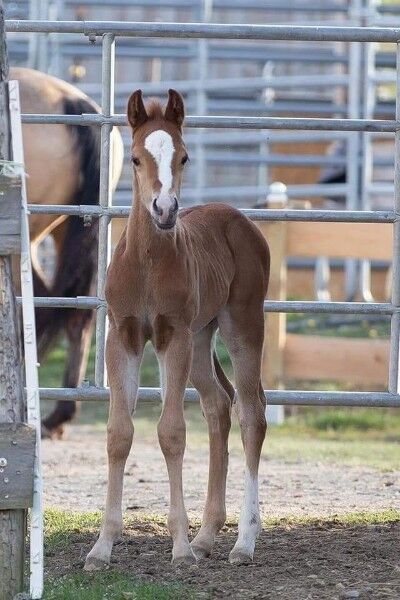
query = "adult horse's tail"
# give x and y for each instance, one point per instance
(77, 258)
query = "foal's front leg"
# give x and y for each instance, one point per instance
(175, 364)
(123, 372)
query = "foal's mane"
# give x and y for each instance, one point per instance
(154, 109)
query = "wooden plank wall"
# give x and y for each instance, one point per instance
(360, 362)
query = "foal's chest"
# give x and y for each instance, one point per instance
(146, 289)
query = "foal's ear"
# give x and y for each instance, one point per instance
(175, 109)
(136, 111)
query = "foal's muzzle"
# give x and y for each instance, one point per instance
(164, 213)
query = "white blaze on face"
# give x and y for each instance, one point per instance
(160, 145)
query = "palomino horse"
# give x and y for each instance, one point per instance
(62, 163)
(174, 279)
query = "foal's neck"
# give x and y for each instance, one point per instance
(144, 239)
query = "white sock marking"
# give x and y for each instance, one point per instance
(249, 521)
(160, 145)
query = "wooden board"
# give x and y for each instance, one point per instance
(356, 240)
(300, 285)
(17, 451)
(356, 361)
(275, 332)
(10, 215)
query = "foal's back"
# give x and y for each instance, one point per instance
(232, 257)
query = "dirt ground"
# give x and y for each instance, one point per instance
(301, 563)
(75, 475)
(292, 562)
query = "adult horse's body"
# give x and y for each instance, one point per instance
(174, 279)
(62, 164)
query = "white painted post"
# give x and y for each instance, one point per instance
(30, 352)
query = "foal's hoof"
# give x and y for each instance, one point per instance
(238, 557)
(184, 561)
(200, 552)
(95, 564)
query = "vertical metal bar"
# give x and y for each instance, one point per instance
(353, 141)
(322, 276)
(395, 321)
(30, 353)
(201, 97)
(263, 172)
(367, 171)
(105, 199)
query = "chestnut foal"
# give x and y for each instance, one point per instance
(174, 279)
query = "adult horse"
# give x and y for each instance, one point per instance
(174, 279)
(62, 164)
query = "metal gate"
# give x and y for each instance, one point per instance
(108, 32)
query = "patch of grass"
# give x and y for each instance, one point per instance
(334, 420)
(61, 526)
(378, 454)
(111, 586)
(381, 517)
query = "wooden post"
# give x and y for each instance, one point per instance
(12, 405)
(275, 234)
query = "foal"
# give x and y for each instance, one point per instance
(174, 279)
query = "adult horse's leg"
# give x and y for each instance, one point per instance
(123, 366)
(216, 404)
(79, 328)
(175, 361)
(243, 333)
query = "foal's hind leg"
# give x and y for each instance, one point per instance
(243, 333)
(123, 373)
(216, 405)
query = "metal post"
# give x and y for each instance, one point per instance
(267, 95)
(395, 321)
(201, 99)
(105, 200)
(367, 169)
(353, 168)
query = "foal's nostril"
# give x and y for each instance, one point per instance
(156, 208)
(175, 207)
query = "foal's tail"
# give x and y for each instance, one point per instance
(224, 381)
(77, 261)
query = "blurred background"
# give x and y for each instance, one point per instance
(315, 169)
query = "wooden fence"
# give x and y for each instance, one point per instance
(310, 357)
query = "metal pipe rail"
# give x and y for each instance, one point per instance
(255, 214)
(368, 125)
(291, 397)
(216, 31)
(289, 306)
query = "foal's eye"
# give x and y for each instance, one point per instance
(135, 161)
(184, 160)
